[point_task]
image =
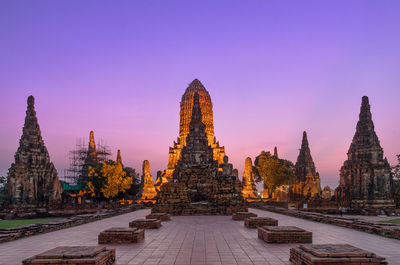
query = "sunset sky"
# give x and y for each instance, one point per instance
(273, 69)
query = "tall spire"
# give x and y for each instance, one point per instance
(91, 158)
(305, 162)
(196, 113)
(276, 152)
(365, 138)
(32, 178)
(92, 145)
(187, 106)
(119, 159)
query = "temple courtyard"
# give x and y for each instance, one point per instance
(198, 240)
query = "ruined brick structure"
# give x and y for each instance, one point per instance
(119, 158)
(365, 177)
(249, 190)
(185, 118)
(210, 188)
(308, 184)
(32, 178)
(148, 192)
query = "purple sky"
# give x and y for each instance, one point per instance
(273, 69)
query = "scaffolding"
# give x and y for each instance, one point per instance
(77, 159)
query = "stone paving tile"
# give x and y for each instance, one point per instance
(197, 240)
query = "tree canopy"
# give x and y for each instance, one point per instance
(273, 171)
(108, 180)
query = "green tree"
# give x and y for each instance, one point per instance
(134, 189)
(396, 176)
(3, 189)
(273, 171)
(108, 180)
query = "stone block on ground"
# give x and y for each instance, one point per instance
(333, 254)
(145, 223)
(240, 216)
(254, 222)
(159, 216)
(76, 255)
(284, 234)
(121, 235)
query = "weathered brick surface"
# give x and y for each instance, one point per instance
(284, 234)
(254, 222)
(145, 223)
(74, 255)
(8, 234)
(159, 216)
(121, 235)
(333, 254)
(387, 230)
(240, 216)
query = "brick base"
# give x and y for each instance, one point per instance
(79, 255)
(240, 216)
(284, 234)
(254, 222)
(121, 235)
(145, 223)
(159, 216)
(333, 254)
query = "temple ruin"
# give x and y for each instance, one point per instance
(365, 177)
(186, 107)
(32, 178)
(148, 192)
(249, 190)
(308, 183)
(199, 185)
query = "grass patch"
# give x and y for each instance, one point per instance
(392, 221)
(14, 223)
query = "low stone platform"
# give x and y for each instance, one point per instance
(284, 234)
(240, 216)
(74, 255)
(145, 223)
(254, 222)
(121, 235)
(333, 254)
(159, 216)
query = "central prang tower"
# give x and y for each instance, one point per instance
(186, 108)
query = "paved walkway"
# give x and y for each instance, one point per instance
(198, 240)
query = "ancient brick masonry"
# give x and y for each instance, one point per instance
(308, 185)
(77, 255)
(121, 235)
(284, 234)
(32, 178)
(198, 184)
(145, 223)
(148, 191)
(365, 177)
(254, 222)
(249, 190)
(333, 254)
(240, 216)
(185, 118)
(159, 216)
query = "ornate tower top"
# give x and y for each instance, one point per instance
(92, 145)
(276, 152)
(119, 159)
(146, 167)
(91, 158)
(187, 106)
(365, 139)
(304, 160)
